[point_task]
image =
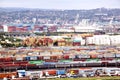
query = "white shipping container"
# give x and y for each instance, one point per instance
(46, 57)
(84, 56)
(82, 42)
(89, 40)
(72, 56)
(33, 58)
(33, 73)
(117, 55)
(100, 56)
(19, 58)
(102, 40)
(109, 55)
(97, 41)
(115, 40)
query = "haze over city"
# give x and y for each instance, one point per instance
(61, 4)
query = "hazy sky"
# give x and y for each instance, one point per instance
(61, 4)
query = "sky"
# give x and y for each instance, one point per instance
(61, 4)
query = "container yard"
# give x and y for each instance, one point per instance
(60, 61)
(64, 56)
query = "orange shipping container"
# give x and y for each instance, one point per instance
(51, 72)
(10, 74)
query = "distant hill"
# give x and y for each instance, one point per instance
(42, 16)
(6, 9)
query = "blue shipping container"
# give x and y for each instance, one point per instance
(27, 58)
(60, 72)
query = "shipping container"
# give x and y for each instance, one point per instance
(39, 62)
(40, 57)
(62, 65)
(27, 58)
(74, 71)
(107, 55)
(93, 56)
(100, 55)
(72, 57)
(76, 43)
(86, 72)
(61, 72)
(84, 56)
(8, 74)
(34, 73)
(117, 55)
(7, 59)
(49, 60)
(19, 58)
(11, 28)
(53, 57)
(33, 57)
(66, 57)
(21, 73)
(65, 61)
(50, 72)
(46, 57)
(21, 62)
(93, 60)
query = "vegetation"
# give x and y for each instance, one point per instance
(10, 41)
(90, 78)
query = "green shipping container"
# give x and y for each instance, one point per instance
(67, 61)
(36, 62)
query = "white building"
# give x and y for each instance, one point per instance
(103, 40)
(65, 30)
(84, 26)
(84, 29)
(5, 28)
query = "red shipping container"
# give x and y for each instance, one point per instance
(40, 57)
(49, 60)
(93, 56)
(51, 72)
(76, 43)
(53, 57)
(21, 62)
(7, 59)
(12, 29)
(66, 57)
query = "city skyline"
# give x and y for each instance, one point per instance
(61, 4)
